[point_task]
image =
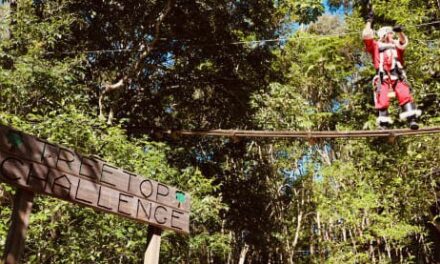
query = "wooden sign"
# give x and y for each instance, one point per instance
(42, 167)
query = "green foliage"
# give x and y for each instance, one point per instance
(30, 80)
(363, 201)
(305, 12)
(278, 108)
(63, 230)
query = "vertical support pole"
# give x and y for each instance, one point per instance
(153, 245)
(23, 201)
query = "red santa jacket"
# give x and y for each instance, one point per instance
(392, 51)
(390, 54)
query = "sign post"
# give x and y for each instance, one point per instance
(153, 245)
(23, 201)
(37, 166)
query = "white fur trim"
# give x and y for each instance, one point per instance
(383, 31)
(407, 114)
(401, 46)
(381, 59)
(375, 79)
(384, 119)
(394, 54)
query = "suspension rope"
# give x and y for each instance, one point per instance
(244, 42)
(390, 133)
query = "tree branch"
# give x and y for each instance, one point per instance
(145, 49)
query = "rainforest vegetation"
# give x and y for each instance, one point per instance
(107, 78)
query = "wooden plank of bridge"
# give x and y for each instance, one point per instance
(153, 245)
(21, 212)
(304, 134)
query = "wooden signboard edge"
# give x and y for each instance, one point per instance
(92, 157)
(13, 154)
(22, 208)
(79, 203)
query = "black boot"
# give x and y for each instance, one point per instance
(410, 113)
(412, 123)
(383, 120)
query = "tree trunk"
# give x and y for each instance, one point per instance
(372, 251)
(318, 222)
(387, 248)
(297, 231)
(344, 234)
(243, 253)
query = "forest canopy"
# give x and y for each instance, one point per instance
(107, 78)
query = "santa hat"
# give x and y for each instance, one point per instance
(383, 31)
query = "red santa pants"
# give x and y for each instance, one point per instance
(401, 88)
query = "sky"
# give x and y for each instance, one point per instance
(338, 12)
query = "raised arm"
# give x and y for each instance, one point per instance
(368, 32)
(403, 39)
(368, 37)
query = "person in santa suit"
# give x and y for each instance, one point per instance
(387, 54)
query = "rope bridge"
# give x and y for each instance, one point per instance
(390, 133)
